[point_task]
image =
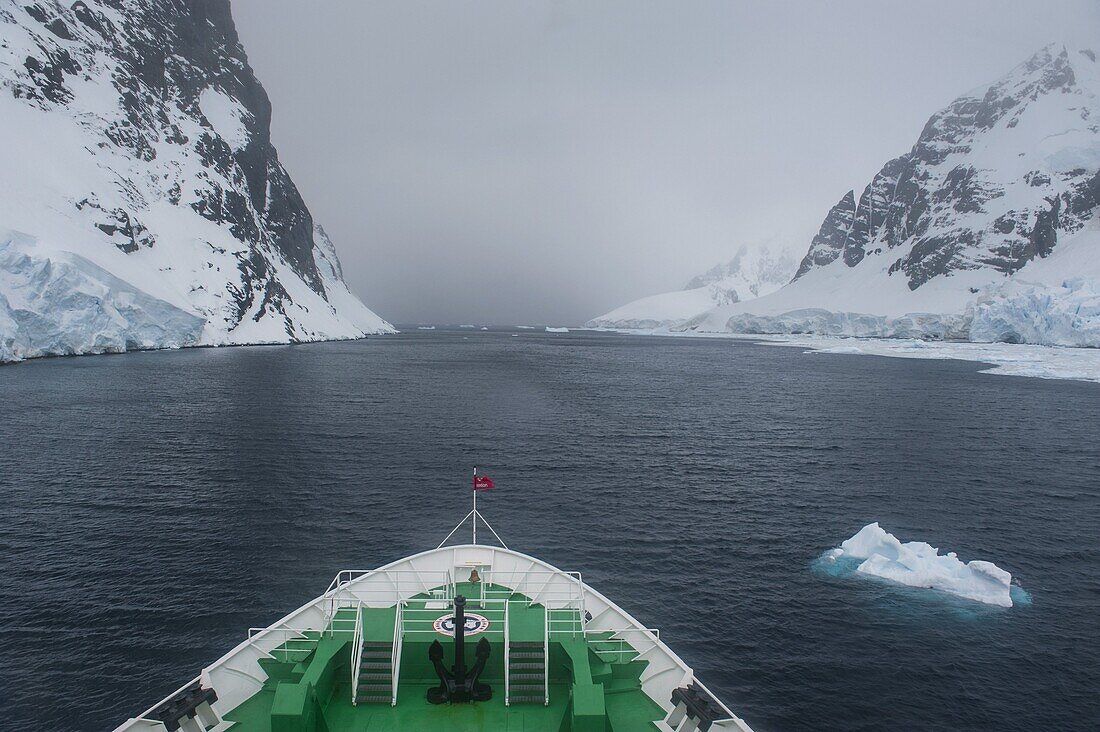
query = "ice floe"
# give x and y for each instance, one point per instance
(1044, 362)
(918, 564)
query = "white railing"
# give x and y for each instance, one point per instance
(544, 587)
(392, 586)
(507, 653)
(395, 656)
(565, 621)
(545, 656)
(625, 649)
(292, 634)
(356, 653)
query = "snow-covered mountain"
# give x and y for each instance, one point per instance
(750, 274)
(986, 230)
(142, 204)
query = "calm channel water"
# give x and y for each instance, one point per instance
(156, 505)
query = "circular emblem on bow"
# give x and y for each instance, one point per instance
(474, 624)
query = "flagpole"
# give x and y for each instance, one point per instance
(475, 504)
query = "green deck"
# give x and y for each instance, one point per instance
(594, 686)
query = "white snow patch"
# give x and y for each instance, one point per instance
(918, 564)
(227, 116)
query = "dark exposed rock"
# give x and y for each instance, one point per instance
(828, 245)
(37, 13)
(963, 191)
(1045, 234)
(128, 234)
(992, 108)
(931, 256)
(1086, 197)
(940, 209)
(1004, 224)
(168, 54)
(48, 75)
(84, 14)
(1037, 179)
(59, 29)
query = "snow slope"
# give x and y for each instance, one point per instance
(750, 274)
(986, 230)
(142, 204)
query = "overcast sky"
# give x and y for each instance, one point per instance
(543, 162)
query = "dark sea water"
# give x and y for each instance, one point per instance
(156, 505)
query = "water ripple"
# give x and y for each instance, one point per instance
(157, 505)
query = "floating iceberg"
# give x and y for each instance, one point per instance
(918, 564)
(550, 329)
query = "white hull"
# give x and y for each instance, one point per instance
(237, 675)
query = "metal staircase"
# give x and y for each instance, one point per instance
(526, 672)
(375, 673)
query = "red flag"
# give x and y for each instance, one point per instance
(483, 483)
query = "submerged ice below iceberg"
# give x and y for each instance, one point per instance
(918, 564)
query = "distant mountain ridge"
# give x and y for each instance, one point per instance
(144, 205)
(756, 271)
(978, 190)
(985, 230)
(751, 273)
